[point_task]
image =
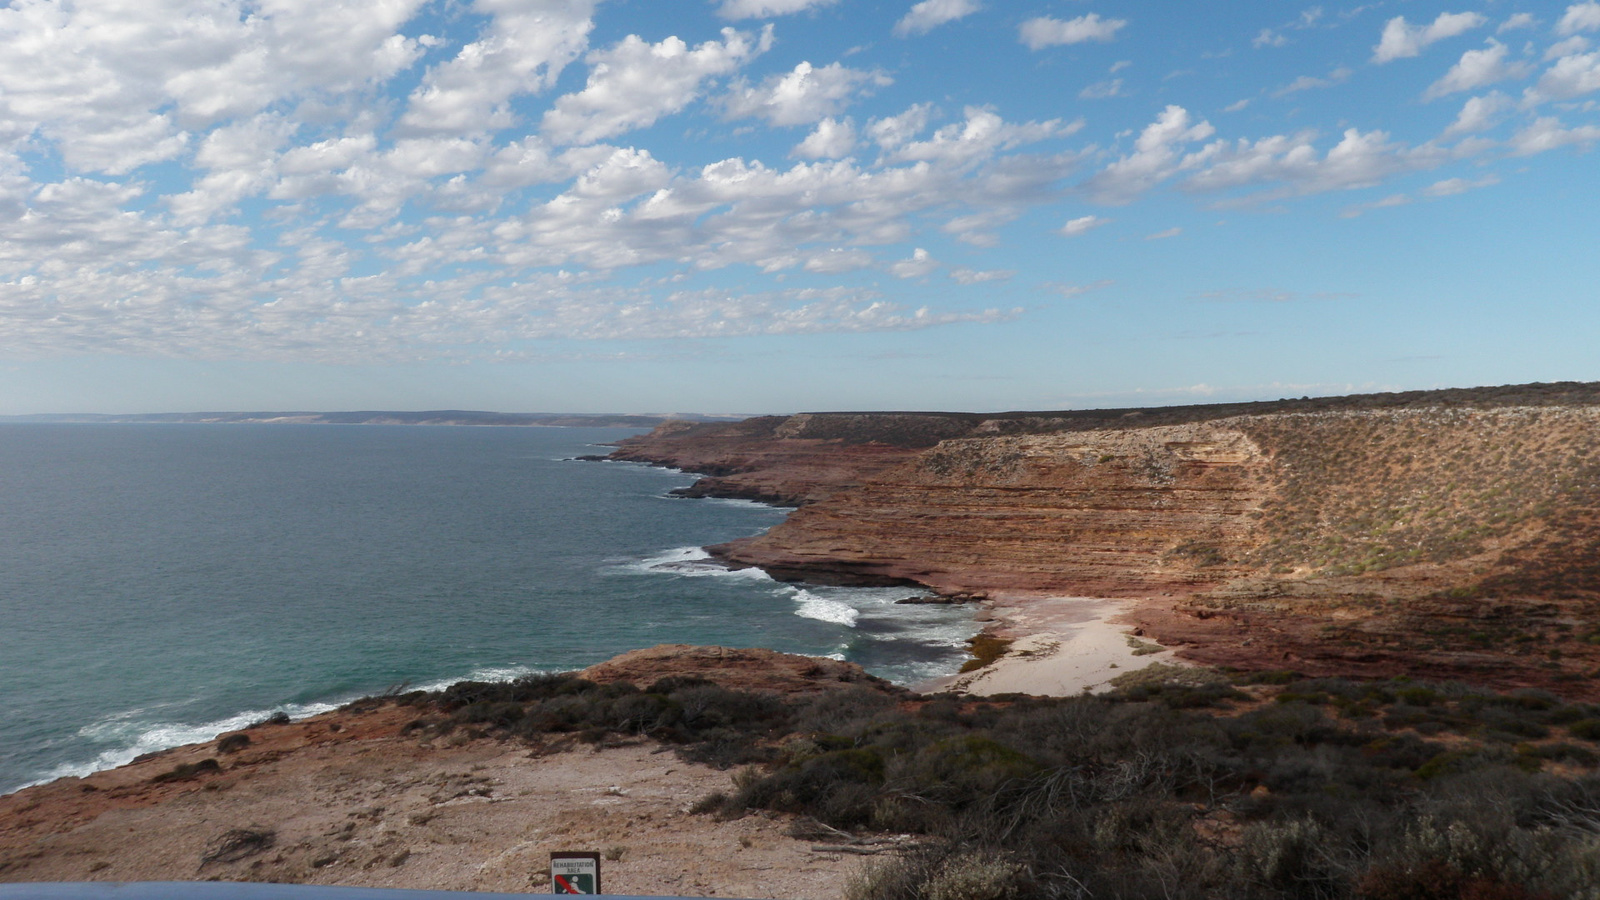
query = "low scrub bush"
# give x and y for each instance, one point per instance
(1172, 787)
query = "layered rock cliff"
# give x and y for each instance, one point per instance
(1444, 533)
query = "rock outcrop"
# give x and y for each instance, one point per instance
(742, 669)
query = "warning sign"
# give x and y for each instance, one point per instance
(574, 873)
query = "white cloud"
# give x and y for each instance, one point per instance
(113, 87)
(1567, 47)
(894, 131)
(1155, 157)
(1478, 114)
(919, 265)
(765, 9)
(831, 139)
(1081, 225)
(523, 49)
(1237, 105)
(1453, 186)
(965, 276)
(1571, 76)
(1547, 133)
(1580, 17)
(1102, 90)
(977, 229)
(1401, 40)
(1517, 21)
(1268, 38)
(240, 162)
(802, 96)
(1389, 202)
(1077, 290)
(1293, 163)
(930, 14)
(1042, 32)
(978, 138)
(837, 260)
(1163, 235)
(634, 83)
(1475, 69)
(1309, 82)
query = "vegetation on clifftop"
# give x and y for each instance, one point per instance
(1258, 786)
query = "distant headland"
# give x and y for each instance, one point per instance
(377, 417)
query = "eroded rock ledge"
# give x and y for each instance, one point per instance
(1446, 534)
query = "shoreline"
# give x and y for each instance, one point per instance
(1059, 647)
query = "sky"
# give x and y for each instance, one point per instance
(767, 206)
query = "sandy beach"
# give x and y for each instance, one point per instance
(1060, 646)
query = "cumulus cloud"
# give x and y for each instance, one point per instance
(979, 137)
(1102, 90)
(1580, 17)
(966, 276)
(919, 265)
(1293, 165)
(1450, 187)
(634, 83)
(1475, 69)
(1268, 38)
(930, 14)
(1401, 39)
(1571, 76)
(1479, 114)
(1081, 225)
(1044, 31)
(1157, 155)
(523, 49)
(802, 96)
(766, 9)
(1516, 22)
(831, 139)
(1566, 47)
(115, 86)
(890, 132)
(1310, 82)
(1547, 133)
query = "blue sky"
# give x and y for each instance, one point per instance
(777, 205)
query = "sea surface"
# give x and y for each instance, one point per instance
(161, 584)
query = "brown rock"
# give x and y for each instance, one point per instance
(745, 670)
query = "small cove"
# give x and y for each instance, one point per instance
(163, 583)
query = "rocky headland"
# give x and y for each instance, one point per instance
(1443, 534)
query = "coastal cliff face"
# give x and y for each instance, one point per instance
(1454, 534)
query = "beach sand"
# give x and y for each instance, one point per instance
(1061, 646)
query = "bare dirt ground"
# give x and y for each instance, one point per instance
(346, 799)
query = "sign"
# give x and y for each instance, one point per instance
(574, 873)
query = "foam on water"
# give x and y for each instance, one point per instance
(132, 735)
(690, 562)
(824, 609)
(492, 673)
(135, 732)
(738, 503)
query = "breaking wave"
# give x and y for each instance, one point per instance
(824, 609)
(692, 562)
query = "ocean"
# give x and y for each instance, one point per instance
(161, 584)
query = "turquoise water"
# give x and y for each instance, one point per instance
(160, 584)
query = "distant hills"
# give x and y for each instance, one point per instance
(381, 417)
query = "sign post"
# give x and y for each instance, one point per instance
(574, 873)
